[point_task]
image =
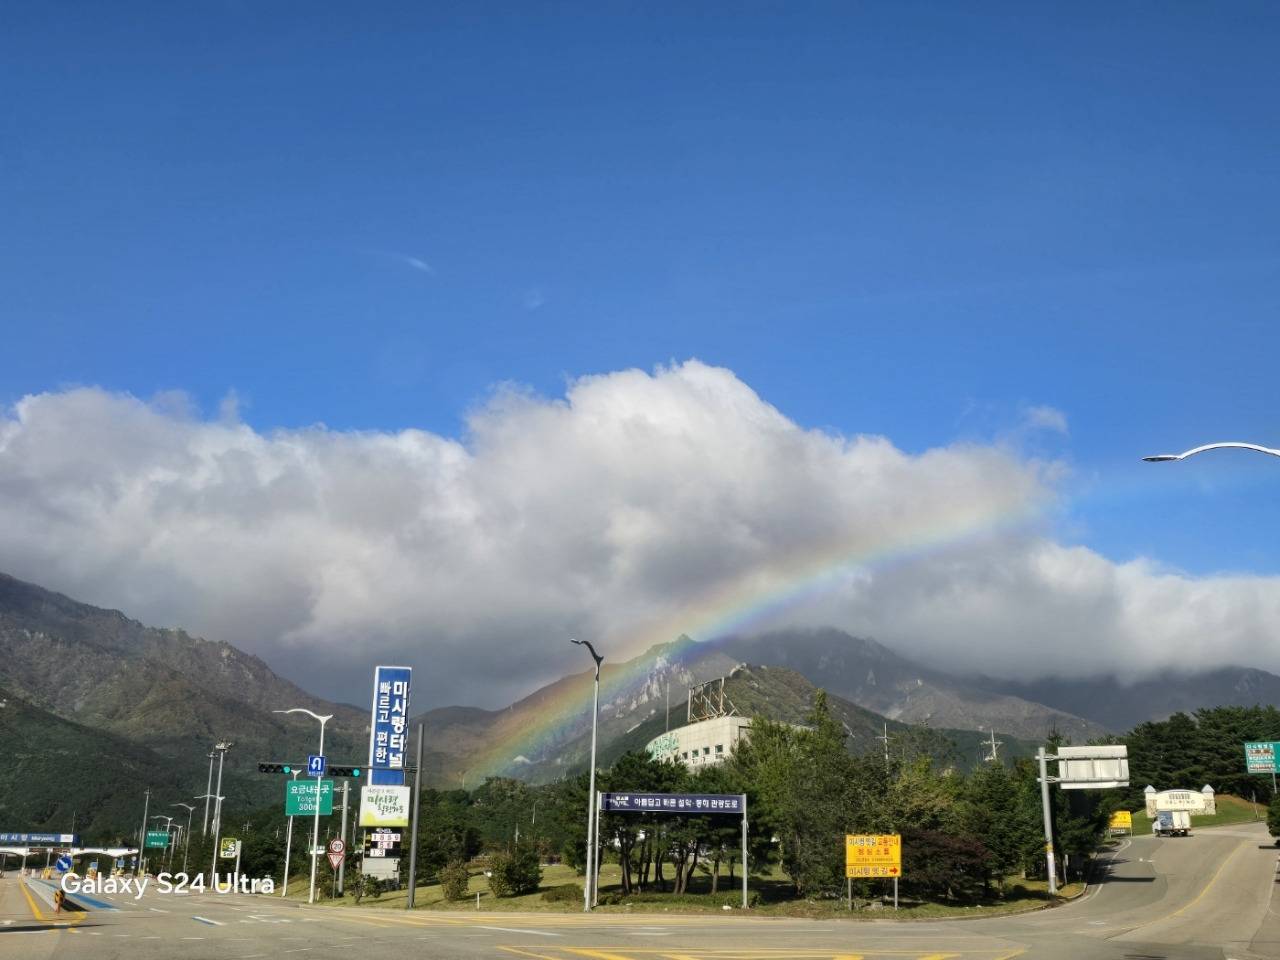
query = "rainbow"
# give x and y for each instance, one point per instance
(737, 606)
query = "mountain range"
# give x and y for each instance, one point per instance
(92, 697)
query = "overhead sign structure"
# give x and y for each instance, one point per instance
(384, 806)
(157, 838)
(872, 855)
(228, 848)
(1262, 757)
(673, 803)
(388, 728)
(300, 798)
(335, 850)
(1093, 768)
(316, 765)
(41, 839)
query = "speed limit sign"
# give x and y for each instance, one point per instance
(336, 849)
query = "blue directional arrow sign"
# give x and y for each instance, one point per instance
(62, 864)
(316, 765)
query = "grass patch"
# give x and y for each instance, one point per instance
(769, 896)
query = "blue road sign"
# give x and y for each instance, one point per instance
(672, 802)
(62, 864)
(316, 765)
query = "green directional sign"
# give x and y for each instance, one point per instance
(300, 798)
(157, 838)
(1263, 757)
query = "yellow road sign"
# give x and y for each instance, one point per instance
(1122, 820)
(873, 855)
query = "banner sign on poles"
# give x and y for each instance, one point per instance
(300, 798)
(389, 724)
(384, 806)
(671, 803)
(873, 855)
(1262, 757)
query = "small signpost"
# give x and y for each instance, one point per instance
(1263, 757)
(1121, 823)
(316, 765)
(228, 847)
(335, 850)
(873, 855)
(62, 864)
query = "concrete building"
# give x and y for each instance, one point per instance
(700, 743)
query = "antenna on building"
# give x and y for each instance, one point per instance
(995, 745)
(708, 701)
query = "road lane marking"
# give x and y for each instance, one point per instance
(536, 933)
(212, 923)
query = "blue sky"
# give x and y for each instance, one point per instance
(918, 220)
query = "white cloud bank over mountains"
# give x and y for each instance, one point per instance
(636, 507)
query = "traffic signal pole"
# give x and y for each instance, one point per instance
(343, 862)
(288, 844)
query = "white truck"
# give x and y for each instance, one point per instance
(1171, 823)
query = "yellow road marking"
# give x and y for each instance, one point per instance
(597, 954)
(940, 956)
(42, 918)
(526, 953)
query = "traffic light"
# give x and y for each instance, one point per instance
(301, 769)
(285, 768)
(344, 772)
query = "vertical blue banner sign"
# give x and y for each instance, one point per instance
(388, 730)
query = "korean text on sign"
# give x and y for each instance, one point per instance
(390, 718)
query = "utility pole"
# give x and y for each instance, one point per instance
(995, 745)
(142, 838)
(1042, 759)
(222, 747)
(884, 738)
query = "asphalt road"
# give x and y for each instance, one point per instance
(1206, 896)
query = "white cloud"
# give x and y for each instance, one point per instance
(1045, 418)
(637, 499)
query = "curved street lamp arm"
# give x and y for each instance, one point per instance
(1163, 457)
(307, 712)
(592, 650)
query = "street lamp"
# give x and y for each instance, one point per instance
(221, 747)
(591, 790)
(1166, 457)
(208, 792)
(315, 829)
(186, 840)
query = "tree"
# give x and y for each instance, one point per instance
(1273, 817)
(514, 872)
(454, 880)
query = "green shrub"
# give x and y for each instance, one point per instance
(565, 893)
(511, 874)
(454, 880)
